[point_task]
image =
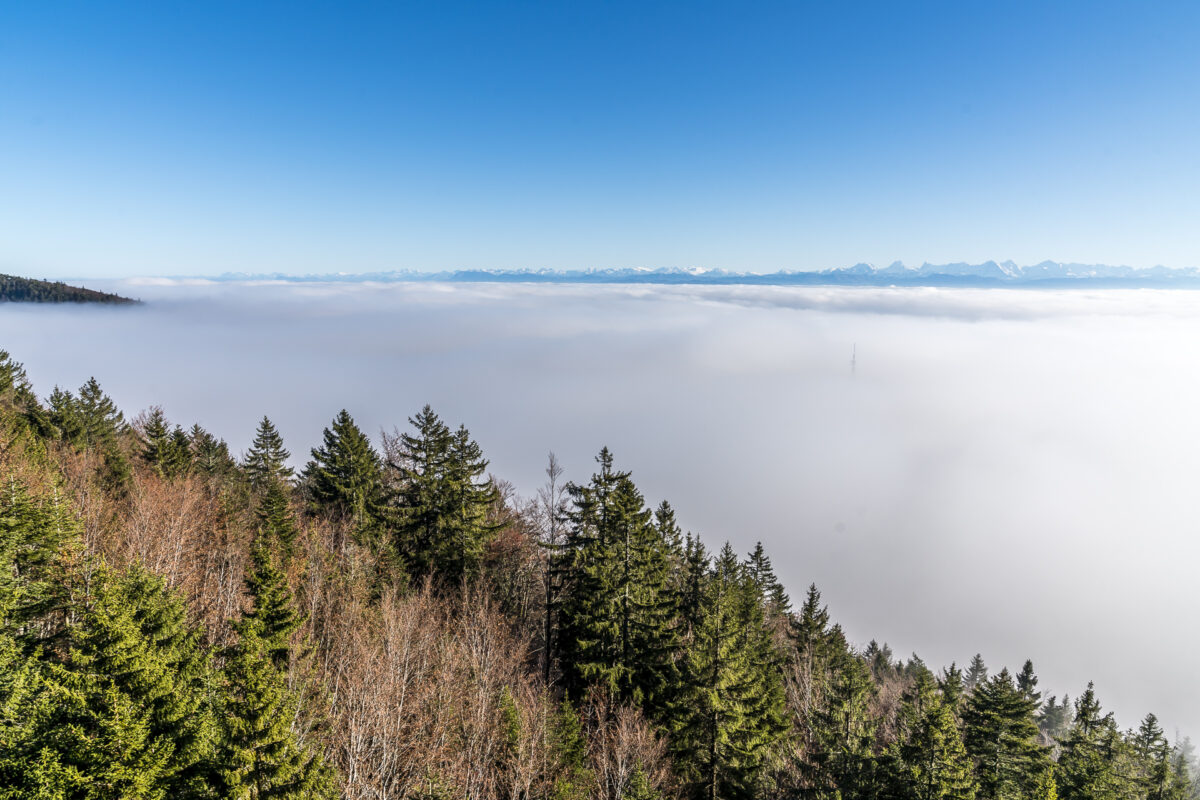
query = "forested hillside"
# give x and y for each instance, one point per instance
(392, 622)
(29, 290)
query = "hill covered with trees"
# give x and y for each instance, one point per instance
(393, 622)
(30, 290)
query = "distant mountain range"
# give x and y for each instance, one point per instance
(1047, 274)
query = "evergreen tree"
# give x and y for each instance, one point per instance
(619, 615)
(1001, 735)
(1027, 682)
(272, 612)
(1054, 720)
(1088, 768)
(977, 673)
(733, 716)
(758, 566)
(210, 455)
(166, 451)
(275, 518)
(442, 499)
(133, 650)
(266, 462)
(953, 687)
(260, 756)
(344, 476)
(933, 761)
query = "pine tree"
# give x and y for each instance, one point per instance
(266, 462)
(1001, 735)
(441, 502)
(344, 476)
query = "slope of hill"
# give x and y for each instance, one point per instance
(30, 290)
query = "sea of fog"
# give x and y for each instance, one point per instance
(1009, 472)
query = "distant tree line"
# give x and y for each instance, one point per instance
(393, 622)
(30, 290)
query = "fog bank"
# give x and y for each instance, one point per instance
(1011, 472)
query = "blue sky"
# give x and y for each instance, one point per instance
(172, 138)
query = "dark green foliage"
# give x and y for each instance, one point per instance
(168, 452)
(619, 615)
(31, 290)
(266, 462)
(344, 476)
(573, 776)
(732, 718)
(272, 614)
(275, 518)
(931, 758)
(210, 455)
(977, 673)
(259, 754)
(441, 498)
(92, 423)
(1001, 735)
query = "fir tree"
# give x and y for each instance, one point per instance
(210, 455)
(167, 452)
(619, 614)
(977, 673)
(1088, 766)
(344, 476)
(441, 501)
(1001, 735)
(266, 462)
(275, 518)
(272, 613)
(260, 756)
(1027, 683)
(933, 761)
(733, 717)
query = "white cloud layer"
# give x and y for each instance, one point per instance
(1011, 472)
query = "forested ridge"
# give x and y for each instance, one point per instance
(31, 290)
(392, 622)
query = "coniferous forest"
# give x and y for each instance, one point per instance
(31, 290)
(390, 621)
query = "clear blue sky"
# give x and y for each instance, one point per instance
(195, 138)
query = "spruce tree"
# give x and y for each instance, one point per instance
(272, 611)
(977, 673)
(210, 455)
(275, 518)
(1001, 735)
(344, 476)
(259, 755)
(441, 500)
(1089, 766)
(732, 719)
(266, 462)
(934, 764)
(619, 614)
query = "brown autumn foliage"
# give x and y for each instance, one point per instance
(418, 693)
